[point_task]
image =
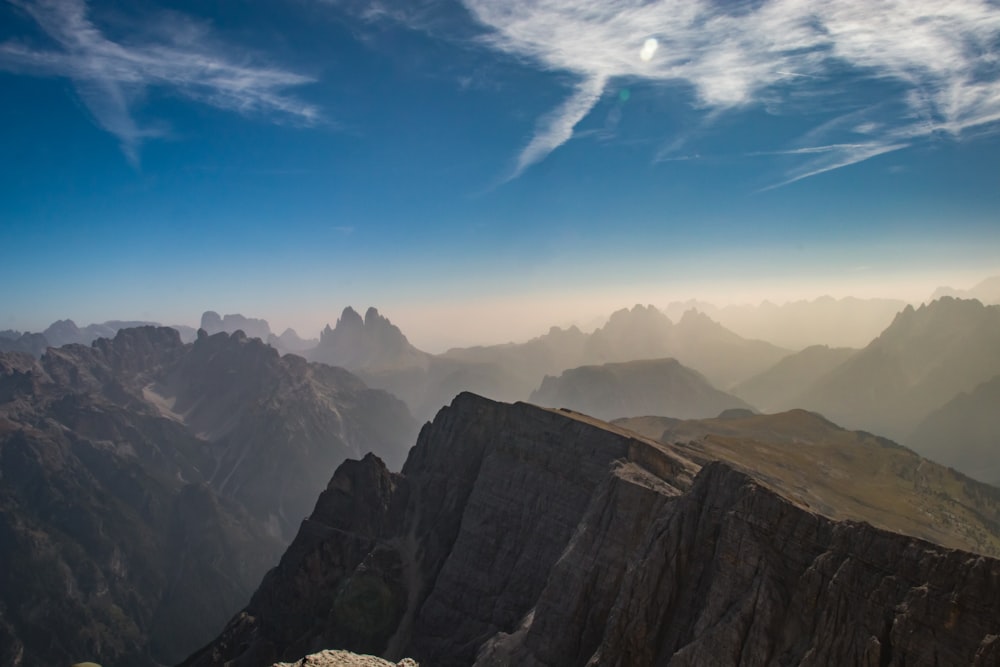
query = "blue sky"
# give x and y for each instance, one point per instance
(503, 165)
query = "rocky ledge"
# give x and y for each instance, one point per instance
(517, 535)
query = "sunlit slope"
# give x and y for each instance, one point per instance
(843, 474)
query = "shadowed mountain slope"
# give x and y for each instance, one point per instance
(145, 485)
(779, 386)
(517, 535)
(965, 433)
(635, 388)
(920, 362)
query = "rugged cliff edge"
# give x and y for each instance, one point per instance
(517, 535)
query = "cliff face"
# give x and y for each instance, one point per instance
(517, 535)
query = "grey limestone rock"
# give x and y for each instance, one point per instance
(518, 535)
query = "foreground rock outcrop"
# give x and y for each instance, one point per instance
(345, 659)
(517, 535)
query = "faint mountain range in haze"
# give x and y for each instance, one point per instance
(846, 322)
(920, 362)
(987, 291)
(253, 327)
(965, 433)
(642, 332)
(288, 341)
(778, 387)
(378, 352)
(635, 388)
(64, 332)
(373, 344)
(34, 344)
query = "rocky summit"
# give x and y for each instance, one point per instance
(518, 535)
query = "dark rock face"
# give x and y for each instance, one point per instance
(517, 535)
(635, 388)
(147, 485)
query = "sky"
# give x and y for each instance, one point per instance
(482, 169)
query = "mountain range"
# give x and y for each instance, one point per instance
(846, 322)
(921, 361)
(147, 484)
(521, 535)
(378, 352)
(635, 388)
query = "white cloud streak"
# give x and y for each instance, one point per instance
(941, 55)
(557, 128)
(111, 77)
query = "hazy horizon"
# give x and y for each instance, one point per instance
(437, 325)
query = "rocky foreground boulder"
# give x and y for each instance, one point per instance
(345, 659)
(517, 535)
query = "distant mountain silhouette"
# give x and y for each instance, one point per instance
(846, 322)
(253, 327)
(642, 332)
(34, 344)
(373, 344)
(378, 352)
(964, 433)
(635, 388)
(778, 387)
(289, 341)
(987, 291)
(920, 362)
(65, 332)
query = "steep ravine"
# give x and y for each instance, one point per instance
(517, 535)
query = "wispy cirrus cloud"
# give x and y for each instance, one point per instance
(939, 61)
(111, 77)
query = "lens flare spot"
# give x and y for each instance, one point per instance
(649, 48)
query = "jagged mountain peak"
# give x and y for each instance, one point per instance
(370, 344)
(349, 318)
(645, 553)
